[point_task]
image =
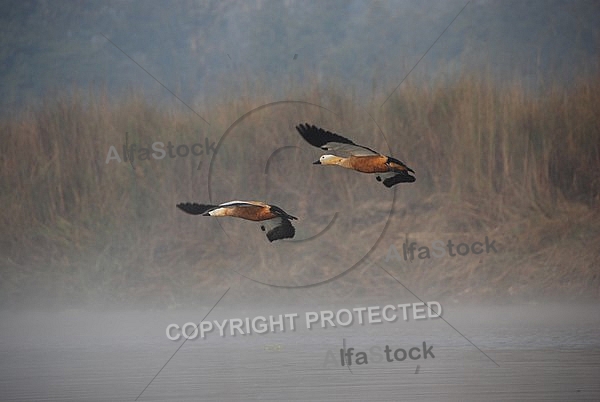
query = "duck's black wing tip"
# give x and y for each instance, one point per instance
(195, 209)
(284, 231)
(403, 177)
(318, 137)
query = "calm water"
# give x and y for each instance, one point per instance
(544, 352)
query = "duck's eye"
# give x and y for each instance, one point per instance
(378, 178)
(262, 227)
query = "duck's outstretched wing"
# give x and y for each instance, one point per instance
(392, 178)
(329, 141)
(278, 228)
(193, 208)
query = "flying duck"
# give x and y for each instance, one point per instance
(273, 217)
(360, 158)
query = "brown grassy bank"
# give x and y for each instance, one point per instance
(489, 160)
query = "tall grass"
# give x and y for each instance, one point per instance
(489, 159)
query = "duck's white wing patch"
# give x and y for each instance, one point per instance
(350, 149)
(242, 204)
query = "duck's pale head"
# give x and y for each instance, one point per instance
(328, 160)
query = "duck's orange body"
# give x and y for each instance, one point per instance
(370, 164)
(255, 213)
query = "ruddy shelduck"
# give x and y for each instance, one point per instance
(274, 218)
(360, 158)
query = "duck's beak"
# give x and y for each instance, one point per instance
(317, 163)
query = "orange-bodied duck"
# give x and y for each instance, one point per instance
(360, 158)
(274, 218)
